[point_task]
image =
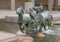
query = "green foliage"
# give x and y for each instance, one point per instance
(58, 7)
(27, 0)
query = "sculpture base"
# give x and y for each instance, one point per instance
(40, 35)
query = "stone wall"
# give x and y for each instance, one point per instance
(5, 4)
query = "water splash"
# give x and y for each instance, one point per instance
(51, 32)
(20, 33)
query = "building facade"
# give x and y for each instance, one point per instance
(48, 4)
(11, 4)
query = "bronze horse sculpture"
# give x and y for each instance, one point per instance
(45, 18)
(35, 14)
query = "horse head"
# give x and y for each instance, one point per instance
(32, 13)
(19, 10)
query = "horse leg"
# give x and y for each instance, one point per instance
(27, 25)
(21, 30)
(40, 30)
(44, 27)
(20, 26)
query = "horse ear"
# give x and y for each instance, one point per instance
(34, 8)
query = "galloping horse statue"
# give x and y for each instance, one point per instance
(34, 18)
(42, 17)
(23, 19)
